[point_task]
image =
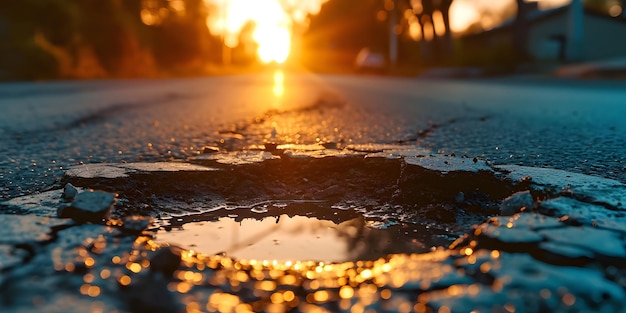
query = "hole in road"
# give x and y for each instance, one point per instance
(332, 237)
(312, 209)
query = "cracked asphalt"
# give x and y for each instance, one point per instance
(423, 164)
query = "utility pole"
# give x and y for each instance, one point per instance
(393, 36)
(575, 31)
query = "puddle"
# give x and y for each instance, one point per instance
(298, 238)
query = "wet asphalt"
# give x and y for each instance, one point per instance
(503, 131)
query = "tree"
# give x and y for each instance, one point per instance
(100, 38)
(424, 11)
(444, 7)
(343, 27)
(182, 36)
(20, 21)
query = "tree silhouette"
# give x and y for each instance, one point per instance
(444, 7)
(442, 47)
(343, 27)
(95, 38)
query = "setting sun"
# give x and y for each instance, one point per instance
(272, 24)
(274, 43)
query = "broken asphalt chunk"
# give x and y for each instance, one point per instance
(581, 213)
(533, 283)
(126, 169)
(599, 241)
(10, 256)
(516, 203)
(27, 229)
(518, 233)
(446, 164)
(69, 192)
(586, 188)
(89, 206)
(210, 149)
(136, 223)
(45, 204)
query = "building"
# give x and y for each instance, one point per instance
(567, 34)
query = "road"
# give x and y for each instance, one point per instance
(570, 125)
(366, 168)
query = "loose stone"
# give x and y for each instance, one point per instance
(69, 192)
(89, 206)
(136, 223)
(210, 149)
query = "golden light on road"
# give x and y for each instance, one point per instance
(273, 22)
(279, 83)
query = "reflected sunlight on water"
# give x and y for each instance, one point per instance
(277, 238)
(283, 238)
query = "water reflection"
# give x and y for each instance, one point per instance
(285, 238)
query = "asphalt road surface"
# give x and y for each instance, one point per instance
(411, 174)
(570, 125)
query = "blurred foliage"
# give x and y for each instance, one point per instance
(20, 57)
(344, 27)
(101, 38)
(341, 29)
(602, 6)
(48, 39)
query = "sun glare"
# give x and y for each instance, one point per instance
(274, 43)
(273, 25)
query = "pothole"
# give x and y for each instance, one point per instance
(307, 206)
(357, 205)
(307, 236)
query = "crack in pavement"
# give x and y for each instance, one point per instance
(323, 102)
(423, 133)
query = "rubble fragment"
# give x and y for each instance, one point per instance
(27, 229)
(136, 223)
(445, 164)
(516, 203)
(69, 192)
(89, 206)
